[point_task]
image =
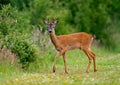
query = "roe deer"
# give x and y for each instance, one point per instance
(63, 43)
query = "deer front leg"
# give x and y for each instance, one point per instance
(65, 66)
(56, 57)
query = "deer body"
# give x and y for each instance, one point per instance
(71, 41)
(64, 43)
(74, 41)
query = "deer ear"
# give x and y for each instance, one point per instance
(55, 21)
(46, 22)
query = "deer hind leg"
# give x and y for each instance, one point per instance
(90, 60)
(65, 66)
(94, 60)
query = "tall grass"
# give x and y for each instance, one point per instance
(40, 71)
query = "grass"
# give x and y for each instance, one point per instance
(108, 73)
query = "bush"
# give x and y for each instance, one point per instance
(25, 50)
(15, 36)
(7, 19)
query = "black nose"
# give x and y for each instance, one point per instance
(50, 31)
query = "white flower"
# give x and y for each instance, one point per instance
(92, 79)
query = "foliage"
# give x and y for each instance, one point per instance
(7, 21)
(39, 8)
(19, 21)
(25, 50)
(16, 39)
(96, 17)
(20, 4)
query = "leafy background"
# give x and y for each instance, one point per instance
(25, 46)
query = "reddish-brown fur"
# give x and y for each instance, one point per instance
(64, 43)
(77, 40)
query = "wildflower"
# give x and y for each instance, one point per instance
(48, 78)
(17, 80)
(92, 79)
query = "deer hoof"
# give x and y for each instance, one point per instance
(95, 70)
(53, 71)
(87, 71)
(66, 72)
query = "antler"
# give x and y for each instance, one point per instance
(48, 20)
(53, 19)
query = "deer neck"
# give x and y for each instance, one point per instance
(54, 39)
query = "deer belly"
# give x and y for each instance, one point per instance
(73, 46)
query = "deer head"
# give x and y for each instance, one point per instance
(51, 26)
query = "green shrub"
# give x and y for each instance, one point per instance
(15, 36)
(26, 52)
(20, 45)
(7, 19)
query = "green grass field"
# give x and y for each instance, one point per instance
(108, 73)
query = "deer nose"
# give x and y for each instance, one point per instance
(50, 30)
